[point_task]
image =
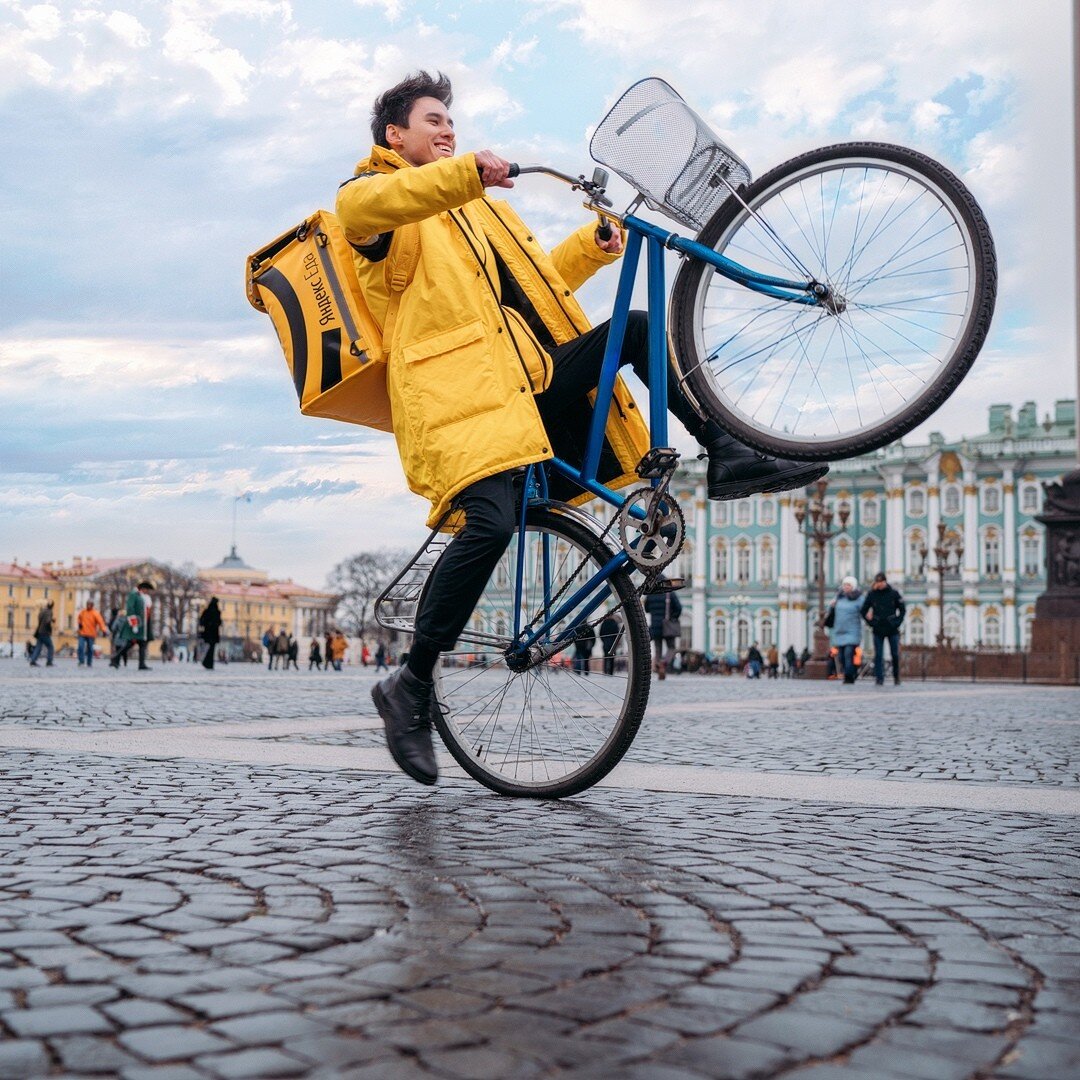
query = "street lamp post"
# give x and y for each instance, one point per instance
(815, 521)
(948, 554)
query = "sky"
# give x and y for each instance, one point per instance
(146, 148)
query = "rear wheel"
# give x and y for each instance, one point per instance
(909, 264)
(545, 730)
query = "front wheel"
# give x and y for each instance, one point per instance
(555, 728)
(908, 261)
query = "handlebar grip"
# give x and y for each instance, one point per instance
(603, 231)
(515, 169)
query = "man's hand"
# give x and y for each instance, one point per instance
(494, 170)
(613, 244)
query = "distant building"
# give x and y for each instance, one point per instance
(250, 601)
(751, 574)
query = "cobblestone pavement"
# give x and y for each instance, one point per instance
(170, 917)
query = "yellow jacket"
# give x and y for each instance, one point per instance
(463, 363)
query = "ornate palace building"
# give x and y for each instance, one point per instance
(250, 600)
(751, 575)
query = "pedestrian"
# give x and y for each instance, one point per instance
(380, 658)
(845, 621)
(293, 653)
(268, 640)
(467, 287)
(117, 622)
(754, 662)
(43, 635)
(338, 645)
(804, 658)
(791, 662)
(280, 658)
(610, 631)
(90, 625)
(210, 631)
(365, 655)
(884, 610)
(329, 650)
(137, 627)
(314, 655)
(772, 660)
(664, 609)
(584, 643)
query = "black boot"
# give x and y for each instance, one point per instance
(404, 703)
(736, 471)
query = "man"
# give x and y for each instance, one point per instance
(610, 632)
(43, 636)
(754, 661)
(90, 625)
(136, 628)
(663, 609)
(884, 610)
(490, 359)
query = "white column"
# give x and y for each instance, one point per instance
(786, 522)
(971, 558)
(894, 524)
(1011, 629)
(933, 516)
(698, 628)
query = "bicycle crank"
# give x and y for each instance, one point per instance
(653, 540)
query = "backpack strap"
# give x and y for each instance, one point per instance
(401, 266)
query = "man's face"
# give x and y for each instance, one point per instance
(879, 584)
(429, 136)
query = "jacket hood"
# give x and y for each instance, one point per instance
(381, 160)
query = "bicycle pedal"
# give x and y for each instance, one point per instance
(663, 585)
(658, 462)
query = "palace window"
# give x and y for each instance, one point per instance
(870, 512)
(1029, 499)
(742, 563)
(871, 559)
(767, 564)
(1031, 564)
(914, 554)
(991, 554)
(950, 500)
(845, 559)
(767, 512)
(954, 628)
(916, 627)
(721, 514)
(1026, 621)
(916, 502)
(992, 630)
(719, 562)
(719, 633)
(742, 512)
(991, 499)
(743, 633)
(767, 636)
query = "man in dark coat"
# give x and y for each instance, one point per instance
(210, 631)
(584, 644)
(610, 632)
(664, 610)
(884, 610)
(43, 636)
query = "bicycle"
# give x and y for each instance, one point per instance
(822, 311)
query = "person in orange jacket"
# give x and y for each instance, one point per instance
(90, 625)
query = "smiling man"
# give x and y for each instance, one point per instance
(490, 364)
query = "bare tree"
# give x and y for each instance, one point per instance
(113, 588)
(179, 592)
(359, 580)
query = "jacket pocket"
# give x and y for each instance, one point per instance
(536, 360)
(449, 376)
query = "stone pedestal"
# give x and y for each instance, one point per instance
(1057, 611)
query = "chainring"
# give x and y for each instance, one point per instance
(653, 542)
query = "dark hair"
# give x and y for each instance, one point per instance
(394, 105)
(879, 576)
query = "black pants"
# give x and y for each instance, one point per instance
(490, 520)
(126, 648)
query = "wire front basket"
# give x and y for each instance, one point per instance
(661, 147)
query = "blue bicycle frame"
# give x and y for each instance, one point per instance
(594, 592)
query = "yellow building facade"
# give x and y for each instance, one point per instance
(251, 601)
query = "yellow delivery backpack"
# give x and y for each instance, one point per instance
(306, 283)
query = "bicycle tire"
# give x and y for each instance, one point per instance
(828, 188)
(514, 732)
